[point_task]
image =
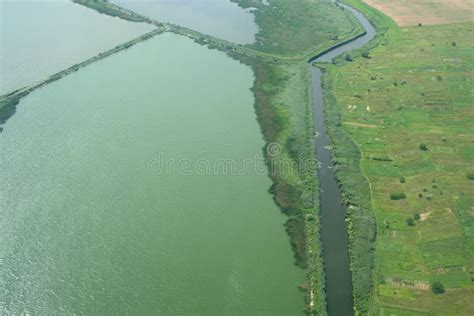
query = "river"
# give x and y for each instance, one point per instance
(103, 212)
(333, 232)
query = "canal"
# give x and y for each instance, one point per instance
(334, 236)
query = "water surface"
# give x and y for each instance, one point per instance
(220, 18)
(90, 225)
(334, 236)
(39, 38)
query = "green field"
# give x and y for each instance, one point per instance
(407, 107)
(298, 29)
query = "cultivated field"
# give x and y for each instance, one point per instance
(409, 107)
(427, 12)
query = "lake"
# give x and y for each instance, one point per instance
(106, 203)
(39, 38)
(219, 18)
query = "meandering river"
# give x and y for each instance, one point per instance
(102, 211)
(333, 213)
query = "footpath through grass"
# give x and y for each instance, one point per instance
(402, 118)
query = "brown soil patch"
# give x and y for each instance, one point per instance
(403, 284)
(356, 124)
(424, 216)
(427, 12)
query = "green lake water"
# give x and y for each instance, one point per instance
(39, 38)
(90, 224)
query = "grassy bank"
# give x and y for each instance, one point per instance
(401, 120)
(299, 29)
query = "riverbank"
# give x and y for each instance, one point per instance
(354, 185)
(341, 272)
(382, 102)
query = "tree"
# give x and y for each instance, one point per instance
(397, 195)
(437, 287)
(423, 147)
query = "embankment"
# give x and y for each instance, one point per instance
(9, 101)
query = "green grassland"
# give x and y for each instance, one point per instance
(298, 29)
(414, 88)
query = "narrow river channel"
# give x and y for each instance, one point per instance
(333, 213)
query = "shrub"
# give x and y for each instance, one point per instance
(417, 216)
(410, 221)
(423, 147)
(397, 195)
(348, 57)
(437, 287)
(402, 179)
(365, 54)
(470, 175)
